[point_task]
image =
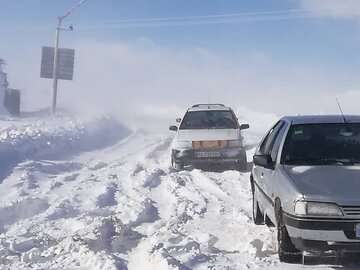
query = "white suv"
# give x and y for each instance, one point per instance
(208, 134)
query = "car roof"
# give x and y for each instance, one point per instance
(321, 119)
(209, 107)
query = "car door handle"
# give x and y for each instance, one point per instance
(262, 175)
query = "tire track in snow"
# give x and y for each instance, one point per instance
(194, 202)
(195, 195)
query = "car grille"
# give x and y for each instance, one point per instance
(207, 155)
(351, 211)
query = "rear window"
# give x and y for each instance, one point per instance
(209, 120)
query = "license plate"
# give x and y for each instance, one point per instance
(207, 154)
(357, 231)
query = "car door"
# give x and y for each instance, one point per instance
(271, 176)
(262, 175)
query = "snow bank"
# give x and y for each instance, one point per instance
(54, 138)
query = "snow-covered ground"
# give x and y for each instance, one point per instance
(90, 195)
(56, 138)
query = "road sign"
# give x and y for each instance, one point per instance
(65, 70)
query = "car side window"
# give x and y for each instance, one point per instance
(266, 146)
(277, 142)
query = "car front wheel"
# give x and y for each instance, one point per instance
(286, 249)
(258, 217)
(243, 165)
(176, 165)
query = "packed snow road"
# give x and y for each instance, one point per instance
(123, 207)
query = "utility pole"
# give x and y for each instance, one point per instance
(56, 51)
(55, 69)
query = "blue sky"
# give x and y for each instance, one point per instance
(321, 42)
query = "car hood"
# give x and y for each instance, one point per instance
(208, 134)
(339, 184)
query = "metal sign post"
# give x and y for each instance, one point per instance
(55, 80)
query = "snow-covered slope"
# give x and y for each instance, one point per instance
(54, 138)
(122, 207)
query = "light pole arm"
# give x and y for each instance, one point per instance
(72, 9)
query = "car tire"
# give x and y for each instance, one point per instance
(288, 253)
(258, 217)
(176, 165)
(242, 164)
(268, 222)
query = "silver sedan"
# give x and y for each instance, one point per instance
(306, 182)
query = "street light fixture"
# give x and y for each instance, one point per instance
(56, 52)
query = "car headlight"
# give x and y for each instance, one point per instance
(183, 144)
(317, 209)
(234, 143)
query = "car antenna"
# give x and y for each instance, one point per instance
(342, 113)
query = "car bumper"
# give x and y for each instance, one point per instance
(218, 156)
(323, 234)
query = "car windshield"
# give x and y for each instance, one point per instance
(209, 120)
(322, 144)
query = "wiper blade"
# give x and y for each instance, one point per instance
(298, 162)
(321, 161)
(340, 161)
(355, 161)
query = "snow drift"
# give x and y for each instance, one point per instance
(54, 138)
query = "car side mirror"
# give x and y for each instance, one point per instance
(244, 126)
(173, 128)
(178, 120)
(264, 161)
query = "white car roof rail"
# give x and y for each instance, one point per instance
(208, 104)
